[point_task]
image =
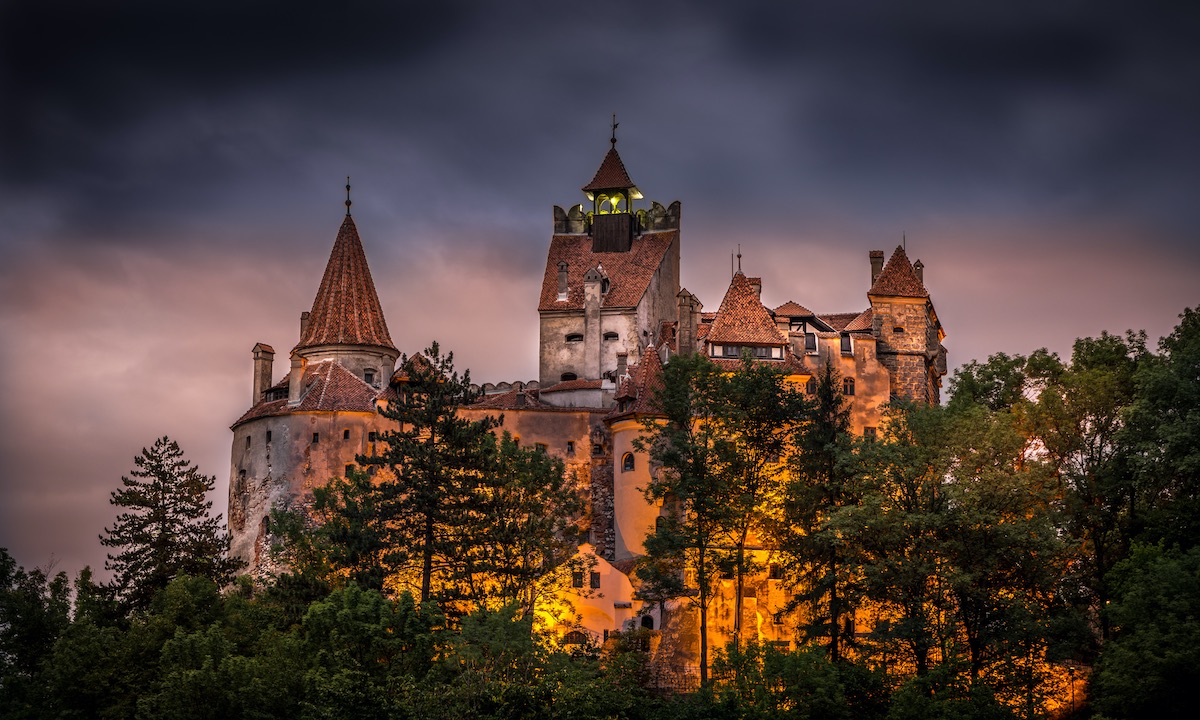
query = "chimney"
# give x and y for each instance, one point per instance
(919, 269)
(264, 360)
(562, 281)
(303, 323)
(296, 378)
(876, 264)
(622, 366)
(685, 328)
(756, 283)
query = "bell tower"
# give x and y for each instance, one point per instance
(611, 192)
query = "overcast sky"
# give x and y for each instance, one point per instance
(171, 184)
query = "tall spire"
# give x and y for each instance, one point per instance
(346, 310)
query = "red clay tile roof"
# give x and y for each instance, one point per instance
(742, 317)
(643, 386)
(629, 273)
(346, 310)
(579, 384)
(839, 321)
(862, 322)
(611, 174)
(667, 334)
(898, 279)
(791, 309)
(328, 387)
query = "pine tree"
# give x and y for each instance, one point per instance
(165, 528)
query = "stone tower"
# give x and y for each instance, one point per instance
(310, 426)
(906, 328)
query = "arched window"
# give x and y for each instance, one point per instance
(647, 622)
(627, 462)
(610, 336)
(575, 637)
(575, 337)
(848, 387)
(568, 376)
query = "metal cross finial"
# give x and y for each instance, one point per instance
(613, 140)
(347, 195)
(739, 257)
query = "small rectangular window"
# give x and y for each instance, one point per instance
(869, 434)
(810, 342)
(372, 436)
(595, 580)
(597, 449)
(732, 350)
(846, 348)
(345, 434)
(570, 447)
(316, 438)
(577, 579)
(540, 447)
(268, 436)
(775, 572)
(247, 442)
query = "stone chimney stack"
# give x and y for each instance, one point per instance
(919, 269)
(296, 376)
(622, 366)
(756, 283)
(303, 322)
(686, 327)
(562, 281)
(592, 295)
(264, 361)
(876, 264)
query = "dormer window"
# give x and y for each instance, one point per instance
(575, 337)
(369, 377)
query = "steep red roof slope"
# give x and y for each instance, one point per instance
(611, 174)
(346, 310)
(898, 279)
(742, 317)
(629, 273)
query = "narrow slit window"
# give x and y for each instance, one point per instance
(575, 337)
(316, 438)
(345, 434)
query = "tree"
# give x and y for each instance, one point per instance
(165, 528)
(753, 416)
(823, 479)
(692, 483)
(33, 613)
(522, 532)
(436, 461)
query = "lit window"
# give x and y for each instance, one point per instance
(575, 337)
(848, 387)
(627, 462)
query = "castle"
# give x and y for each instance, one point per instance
(611, 313)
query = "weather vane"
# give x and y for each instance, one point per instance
(347, 195)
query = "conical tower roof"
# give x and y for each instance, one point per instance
(611, 175)
(898, 279)
(742, 317)
(346, 310)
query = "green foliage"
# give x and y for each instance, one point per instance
(1151, 666)
(33, 613)
(164, 528)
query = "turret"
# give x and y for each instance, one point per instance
(264, 359)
